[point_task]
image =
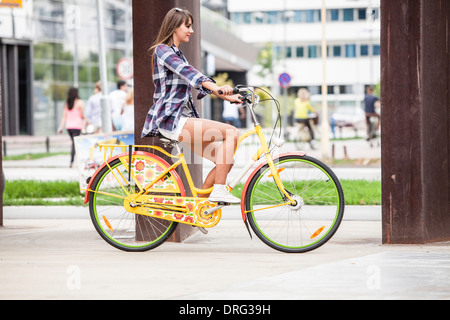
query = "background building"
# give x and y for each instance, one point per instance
(291, 33)
(47, 46)
(225, 54)
(16, 54)
(57, 48)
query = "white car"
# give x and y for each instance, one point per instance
(349, 116)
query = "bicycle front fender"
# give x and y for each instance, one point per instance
(247, 183)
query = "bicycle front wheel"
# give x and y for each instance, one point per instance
(122, 229)
(308, 223)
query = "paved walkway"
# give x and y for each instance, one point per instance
(55, 253)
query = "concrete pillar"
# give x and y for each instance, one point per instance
(147, 19)
(415, 120)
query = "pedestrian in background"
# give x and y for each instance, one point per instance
(117, 99)
(93, 111)
(128, 112)
(302, 110)
(233, 113)
(370, 103)
(73, 118)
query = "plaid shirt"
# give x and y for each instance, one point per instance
(173, 78)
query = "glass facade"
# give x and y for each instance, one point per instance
(66, 52)
(313, 50)
(294, 30)
(302, 16)
(349, 50)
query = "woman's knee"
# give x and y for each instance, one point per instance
(232, 134)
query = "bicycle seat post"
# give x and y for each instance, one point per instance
(178, 148)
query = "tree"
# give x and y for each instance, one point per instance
(265, 60)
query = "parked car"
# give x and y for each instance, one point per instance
(348, 116)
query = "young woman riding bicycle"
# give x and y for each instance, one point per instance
(174, 115)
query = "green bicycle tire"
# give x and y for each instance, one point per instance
(287, 228)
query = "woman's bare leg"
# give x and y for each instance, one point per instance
(218, 143)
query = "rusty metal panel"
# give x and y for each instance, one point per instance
(147, 19)
(415, 120)
(1, 155)
(436, 112)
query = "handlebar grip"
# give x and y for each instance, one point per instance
(235, 91)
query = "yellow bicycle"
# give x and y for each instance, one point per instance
(292, 202)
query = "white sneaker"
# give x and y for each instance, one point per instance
(221, 194)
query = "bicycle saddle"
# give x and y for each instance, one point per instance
(166, 141)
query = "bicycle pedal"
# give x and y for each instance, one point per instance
(213, 209)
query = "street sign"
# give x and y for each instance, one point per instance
(285, 80)
(11, 3)
(125, 69)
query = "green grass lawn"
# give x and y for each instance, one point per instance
(361, 192)
(33, 156)
(356, 192)
(42, 193)
(63, 193)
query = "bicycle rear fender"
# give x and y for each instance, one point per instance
(244, 191)
(135, 153)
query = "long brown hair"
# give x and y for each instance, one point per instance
(173, 19)
(72, 95)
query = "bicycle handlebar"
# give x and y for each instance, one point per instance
(245, 96)
(250, 99)
(235, 91)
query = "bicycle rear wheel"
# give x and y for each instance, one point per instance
(118, 227)
(299, 227)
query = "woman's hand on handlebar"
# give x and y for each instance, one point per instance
(225, 90)
(218, 91)
(228, 93)
(236, 98)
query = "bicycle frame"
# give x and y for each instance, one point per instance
(132, 198)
